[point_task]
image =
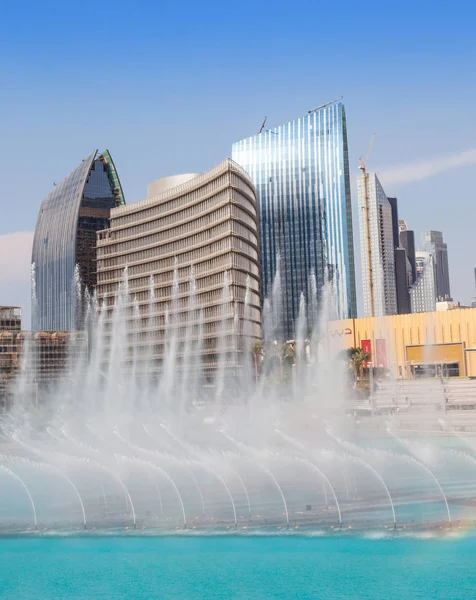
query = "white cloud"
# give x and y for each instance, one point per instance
(426, 168)
(15, 256)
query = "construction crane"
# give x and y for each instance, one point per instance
(324, 105)
(262, 126)
(363, 168)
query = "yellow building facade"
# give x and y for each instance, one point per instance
(422, 344)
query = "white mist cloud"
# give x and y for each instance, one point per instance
(426, 168)
(15, 257)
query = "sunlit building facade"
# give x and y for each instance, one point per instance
(191, 249)
(378, 278)
(408, 344)
(65, 237)
(423, 291)
(301, 173)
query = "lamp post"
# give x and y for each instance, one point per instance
(371, 384)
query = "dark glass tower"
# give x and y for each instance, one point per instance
(65, 236)
(301, 174)
(407, 241)
(401, 279)
(395, 231)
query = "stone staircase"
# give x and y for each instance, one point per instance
(409, 395)
(460, 394)
(428, 405)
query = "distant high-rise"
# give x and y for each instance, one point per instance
(432, 242)
(401, 270)
(423, 291)
(301, 174)
(378, 279)
(65, 236)
(407, 241)
(473, 303)
(395, 221)
(401, 282)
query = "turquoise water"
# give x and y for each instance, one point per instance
(251, 568)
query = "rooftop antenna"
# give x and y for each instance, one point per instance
(363, 168)
(324, 105)
(262, 126)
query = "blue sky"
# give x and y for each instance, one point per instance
(168, 87)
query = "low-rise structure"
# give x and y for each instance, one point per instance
(10, 318)
(37, 361)
(432, 343)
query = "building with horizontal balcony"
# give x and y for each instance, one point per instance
(191, 249)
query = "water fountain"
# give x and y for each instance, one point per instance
(122, 446)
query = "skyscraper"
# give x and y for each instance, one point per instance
(434, 244)
(377, 247)
(395, 221)
(401, 282)
(407, 241)
(401, 276)
(301, 173)
(473, 303)
(65, 236)
(423, 291)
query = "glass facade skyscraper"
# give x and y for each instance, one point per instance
(434, 244)
(301, 174)
(407, 241)
(65, 236)
(423, 291)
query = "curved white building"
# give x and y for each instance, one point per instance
(191, 249)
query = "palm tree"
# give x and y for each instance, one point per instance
(288, 358)
(288, 351)
(257, 350)
(358, 358)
